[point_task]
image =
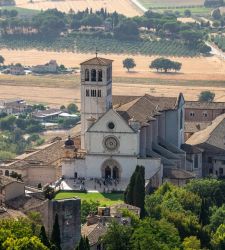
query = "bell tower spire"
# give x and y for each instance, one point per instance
(96, 91)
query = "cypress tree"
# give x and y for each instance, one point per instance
(55, 237)
(83, 244)
(139, 190)
(128, 194)
(43, 237)
(135, 191)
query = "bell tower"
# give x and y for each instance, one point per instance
(96, 91)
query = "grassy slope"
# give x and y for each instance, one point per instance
(104, 199)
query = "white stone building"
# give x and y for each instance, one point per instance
(120, 132)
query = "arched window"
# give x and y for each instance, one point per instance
(87, 75)
(115, 173)
(7, 173)
(100, 75)
(99, 93)
(87, 92)
(93, 75)
(107, 172)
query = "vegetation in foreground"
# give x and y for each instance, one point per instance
(182, 218)
(190, 217)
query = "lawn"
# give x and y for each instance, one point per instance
(103, 198)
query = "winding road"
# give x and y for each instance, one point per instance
(139, 5)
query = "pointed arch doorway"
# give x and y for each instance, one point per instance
(111, 169)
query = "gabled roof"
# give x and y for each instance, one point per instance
(143, 108)
(177, 174)
(213, 135)
(5, 180)
(93, 232)
(44, 155)
(97, 61)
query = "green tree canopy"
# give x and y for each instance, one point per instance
(218, 239)
(206, 96)
(129, 63)
(155, 234)
(165, 64)
(83, 244)
(191, 243)
(117, 237)
(72, 108)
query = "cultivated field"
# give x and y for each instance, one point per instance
(171, 3)
(56, 90)
(197, 74)
(125, 7)
(196, 68)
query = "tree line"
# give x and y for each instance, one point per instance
(162, 64)
(51, 23)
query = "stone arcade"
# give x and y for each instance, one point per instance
(120, 132)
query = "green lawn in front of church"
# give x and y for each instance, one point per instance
(107, 199)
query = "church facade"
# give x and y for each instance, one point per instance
(120, 132)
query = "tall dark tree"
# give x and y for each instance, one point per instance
(135, 192)
(55, 237)
(139, 190)
(83, 244)
(128, 194)
(43, 237)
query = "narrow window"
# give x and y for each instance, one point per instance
(87, 75)
(95, 93)
(108, 74)
(205, 114)
(181, 119)
(93, 75)
(87, 92)
(100, 75)
(196, 161)
(99, 93)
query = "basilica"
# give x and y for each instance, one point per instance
(120, 132)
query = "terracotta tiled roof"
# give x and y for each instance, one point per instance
(43, 155)
(213, 135)
(204, 105)
(192, 127)
(10, 214)
(144, 108)
(93, 232)
(4, 180)
(97, 61)
(178, 174)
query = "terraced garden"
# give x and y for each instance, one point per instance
(87, 44)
